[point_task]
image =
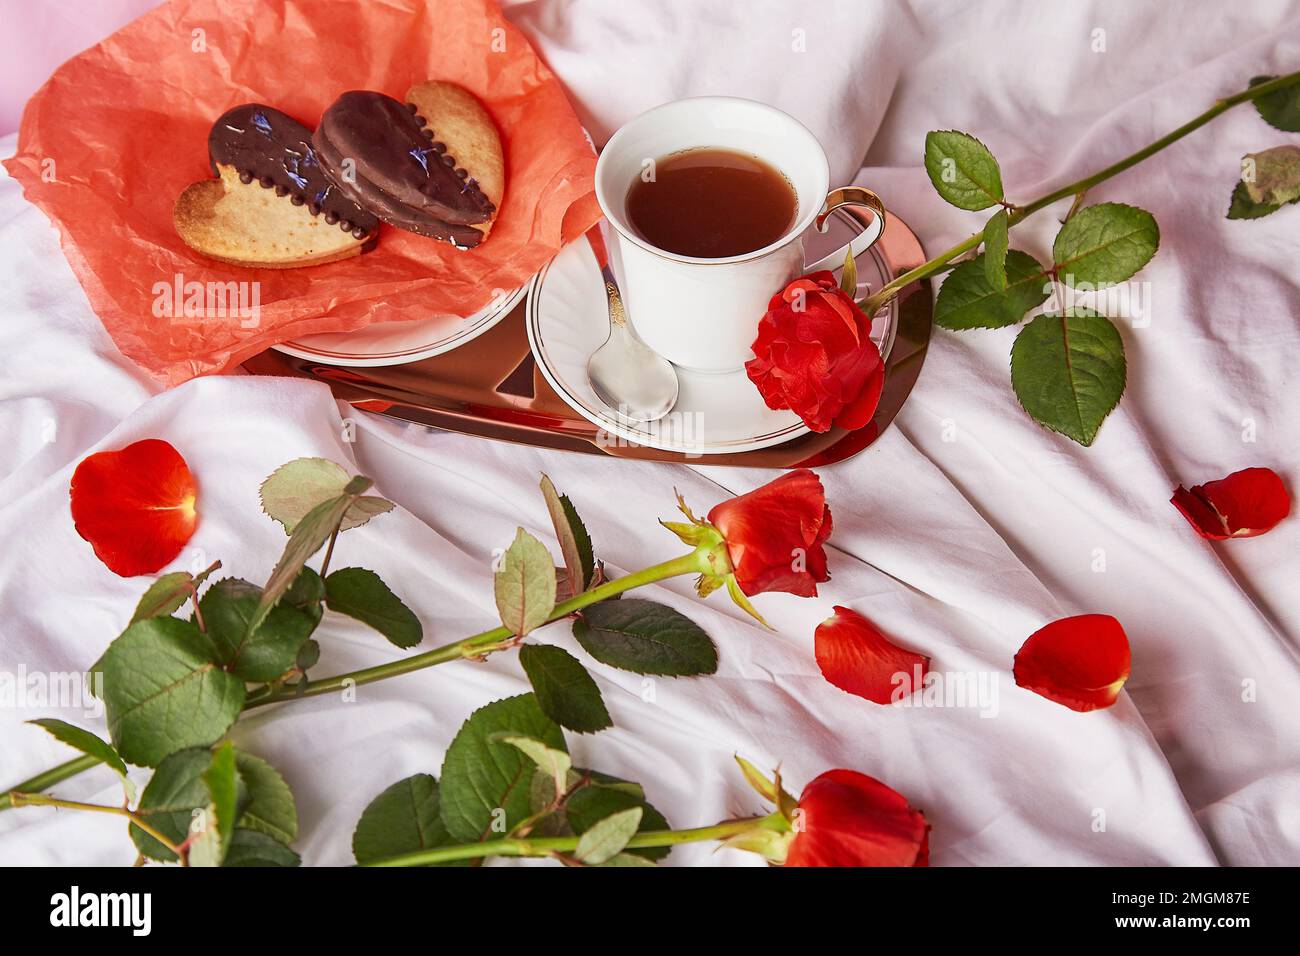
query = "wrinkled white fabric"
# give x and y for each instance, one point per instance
(964, 528)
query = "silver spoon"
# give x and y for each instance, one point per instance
(628, 376)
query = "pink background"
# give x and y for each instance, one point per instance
(39, 36)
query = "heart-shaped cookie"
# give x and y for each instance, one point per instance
(272, 204)
(433, 166)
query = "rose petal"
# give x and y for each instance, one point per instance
(1245, 504)
(850, 819)
(135, 506)
(862, 409)
(1081, 662)
(843, 307)
(804, 285)
(856, 657)
(775, 534)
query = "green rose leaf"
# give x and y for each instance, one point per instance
(963, 170)
(260, 654)
(1272, 177)
(306, 594)
(308, 655)
(1069, 372)
(402, 819)
(605, 839)
(1243, 207)
(485, 784)
(575, 542)
(566, 692)
(177, 789)
(525, 585)
(607, 795)
(646, 638)
(166, 595)
(1104, 244)
(362, 595)
(270, 810)
(251, 848)
(627, 859)
(297, 487)
(205, 849)
(555, 764)
(548, 819)
(90, 745)
(995, 249)
(1281, 108)
(164, 690)
(221, 779)
(967, 300)
(173, 793)
(306, 539)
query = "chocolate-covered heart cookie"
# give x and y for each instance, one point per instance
(272, 204)
(432, 166)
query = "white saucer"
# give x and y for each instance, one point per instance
(395, 343)
(715, 413)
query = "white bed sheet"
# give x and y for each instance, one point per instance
(961, 531)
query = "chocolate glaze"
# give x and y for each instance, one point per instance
(397, 173)
(265, 145)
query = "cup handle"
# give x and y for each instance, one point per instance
(849, 196)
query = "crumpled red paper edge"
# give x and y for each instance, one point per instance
(117, 132)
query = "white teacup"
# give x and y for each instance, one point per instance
(703, 314)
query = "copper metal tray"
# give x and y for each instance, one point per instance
(492, 387)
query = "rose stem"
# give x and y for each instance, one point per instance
(43, 781)
(484, 643)
(20, 799)
(1020, 213)
(488, 641)
(548, 846)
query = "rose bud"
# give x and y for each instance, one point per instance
(814, 355)
(770, 539)
(775, 535)
(846, 818)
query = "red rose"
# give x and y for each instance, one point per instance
(849, 819)
(135, 506)
(814, 355)
(775, 535)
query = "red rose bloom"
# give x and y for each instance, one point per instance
(135, 506)
(850, 819)
(775, 535)
(1245, 504)
(814, 355)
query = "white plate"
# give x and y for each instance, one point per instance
(395, 343)
(715, 413)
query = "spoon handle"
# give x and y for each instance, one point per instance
(596, 239)
(617, 314)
